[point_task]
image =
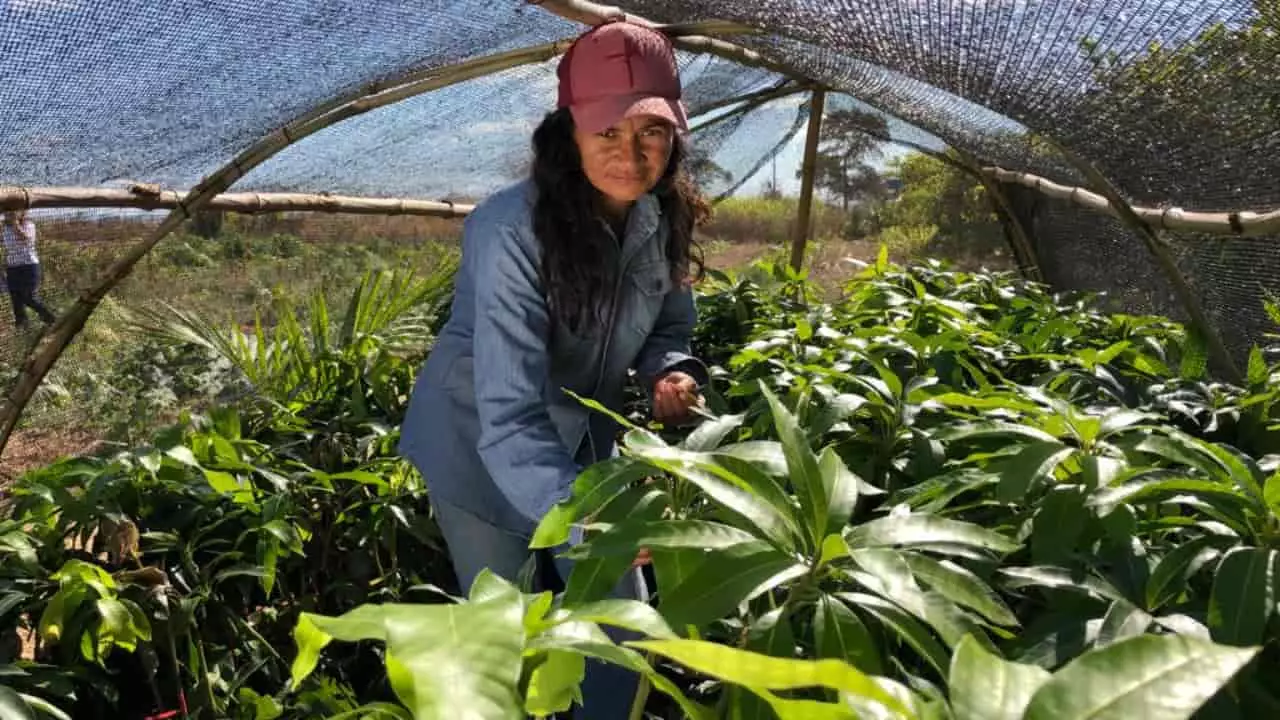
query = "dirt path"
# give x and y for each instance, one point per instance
(32, 448)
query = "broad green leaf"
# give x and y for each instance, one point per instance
(840, 486)
(1239, 470)
(710, 434)
(439, 657)
(835, 410)
(629, 614)
(770, 634)
(1121, 420)
(183, 455)
(840, 635)
(806, 477)
(588, 640)
(1271, 491)
(594, 487)
(1257, 373)
(987, 401)
(730, 578)
(1032, 466)
(888, 567)
(553, 684)
(1106, 500)
(673, 567)
(890, 576)
(1060, 578)
(1153, 677)
(743, 496)
(904, 624)
(985, 686)
(756, 671)
(1123, 620)
(1243, 599)
(1099, 471)
(228, 484)
(764, 454)
(1168, 579)
(1058, 524)
(594, 578)
(1215, 461)
(13, 706)
(627, 538)
(911, 530)
(962, 587)
(992, 429)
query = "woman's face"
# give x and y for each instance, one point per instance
(626, 160)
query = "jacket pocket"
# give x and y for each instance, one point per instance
(647, 287)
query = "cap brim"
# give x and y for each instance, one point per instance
(599, 115)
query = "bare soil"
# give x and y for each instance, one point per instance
(32, 448)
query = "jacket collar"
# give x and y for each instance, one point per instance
(642, 223)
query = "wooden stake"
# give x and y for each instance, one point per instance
(808, 171)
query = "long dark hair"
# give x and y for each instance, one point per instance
(576, 274)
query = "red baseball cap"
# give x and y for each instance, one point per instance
(617, 70)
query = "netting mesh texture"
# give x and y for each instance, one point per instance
(107, 92)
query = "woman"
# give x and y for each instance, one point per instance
(22, 268)
(568, 281)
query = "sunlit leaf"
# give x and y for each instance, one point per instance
(1154, 677)
(985, 686)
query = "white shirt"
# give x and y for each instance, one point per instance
(16, 250)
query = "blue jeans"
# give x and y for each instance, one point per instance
(474, 544)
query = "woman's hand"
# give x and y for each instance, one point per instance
(674, 395)
(642, 558)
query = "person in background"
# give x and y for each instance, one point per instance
(569, 280)
(22, 268)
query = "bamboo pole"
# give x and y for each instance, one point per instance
(1028, 262)
(43, 355)
(750, 102)
(1238, 224)
(150, 197)
(1244, 223)
(1164, 258)
(777, 90)
(808, 170)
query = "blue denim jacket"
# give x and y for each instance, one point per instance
(488, 424)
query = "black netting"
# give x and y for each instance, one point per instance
(466, 139)
(1185, 129)
(96, 91)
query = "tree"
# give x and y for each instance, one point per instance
(846, 140)
(1206, 109)
(938, 195)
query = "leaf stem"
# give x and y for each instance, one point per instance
(641, 698)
